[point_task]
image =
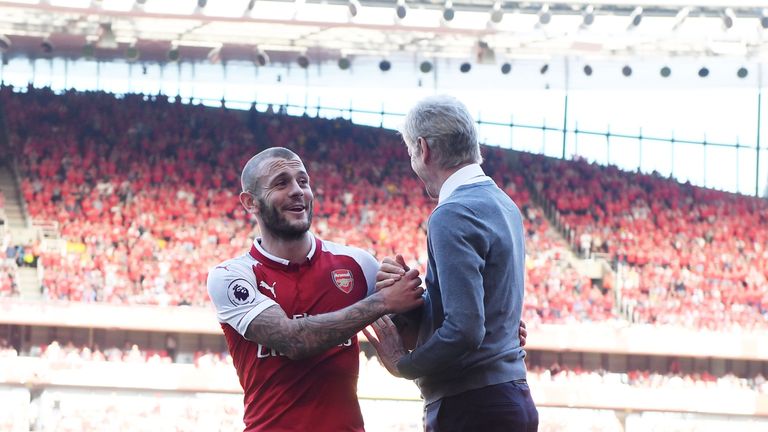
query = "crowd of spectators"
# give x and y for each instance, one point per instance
(84, 411)
(68, 353)
(375, 380)
(87, 410)
(684, 254)
(145, 192)
(703, 381)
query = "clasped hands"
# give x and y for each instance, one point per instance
(393, 274)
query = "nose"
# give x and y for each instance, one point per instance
(296, 189)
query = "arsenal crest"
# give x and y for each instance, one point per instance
(343, 280)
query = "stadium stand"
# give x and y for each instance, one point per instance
(147, 202)
(151, 400)
(142, 190)
(689, 256)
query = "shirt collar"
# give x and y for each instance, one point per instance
(277, 259)
(469, 174)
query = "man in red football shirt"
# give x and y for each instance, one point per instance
(291, 307)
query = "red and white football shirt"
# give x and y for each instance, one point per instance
(317, 393)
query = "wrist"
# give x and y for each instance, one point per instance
(379, 304)
(395, 369)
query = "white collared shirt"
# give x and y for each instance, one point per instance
(470, 174)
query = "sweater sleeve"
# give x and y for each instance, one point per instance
(458, 246)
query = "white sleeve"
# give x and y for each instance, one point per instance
(370, 267)
(233, 292)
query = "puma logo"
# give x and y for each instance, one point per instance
(269, 288)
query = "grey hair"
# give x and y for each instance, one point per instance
(448, 128)
(252, 168)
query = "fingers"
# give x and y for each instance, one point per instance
(386, 320)
(401, 261)
(522, 324)
(412, 279)
(385, 283)
(383, 325)
(374, 340)
(411, 274)
(396, 262)
(389, 270)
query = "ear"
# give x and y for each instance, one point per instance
(249, 202)
(425, 154)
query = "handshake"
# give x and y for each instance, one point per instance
(399, 286)
(401, 290)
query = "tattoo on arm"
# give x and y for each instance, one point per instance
(304, 337)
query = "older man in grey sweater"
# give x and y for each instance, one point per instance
(468, 360)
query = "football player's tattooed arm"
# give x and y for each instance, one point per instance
(304, 337)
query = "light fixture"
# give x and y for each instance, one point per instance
(425, 66)
(728, 18)
(626, 71)
(401, 10)
(173, 53)
(214, 55)
(5, 43)
(385, 65)
(465, 67)
(545, 16)
(107, 37)
(681, 16)
(506, 68)
(261, 57)
(46, 46)
(132, 53)
(665, 72)
(88, 51)
(303, 61)
(496, 13)
(354, 7)
(636, 17)
(448, 12)
(588, 16)
(344, 63)
(484, 53)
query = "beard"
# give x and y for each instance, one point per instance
(274, 222)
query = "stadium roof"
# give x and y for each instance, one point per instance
(475, 30)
